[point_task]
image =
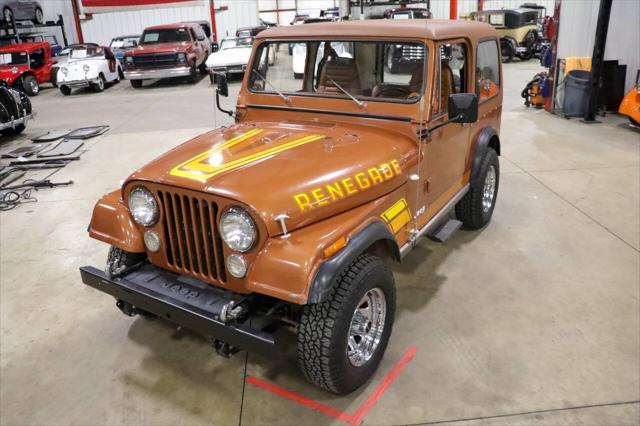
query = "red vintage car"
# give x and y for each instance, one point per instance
(26, 66)
(172, 50)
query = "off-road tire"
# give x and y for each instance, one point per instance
(30, 85)
(65, 90)
(324, 327)
(469, 209)
(136, 84)
(13, 131)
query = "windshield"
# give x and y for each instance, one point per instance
(14, 58)
(229, 43)
(173, 35)
(122, 43)
(85, 52)
(343, 69)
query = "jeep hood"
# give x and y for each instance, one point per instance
(307, 170)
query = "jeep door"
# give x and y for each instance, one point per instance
(446, 150)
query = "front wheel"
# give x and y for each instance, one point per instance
(342, 340)
(475, 209)
(507, 50)
(30, 85)
(65, 90)
(193, 75)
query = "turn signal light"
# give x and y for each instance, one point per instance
(335, 247)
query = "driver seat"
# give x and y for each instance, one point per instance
(446, 86)
(343, 71)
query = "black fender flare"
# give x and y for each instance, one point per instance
(482, 144)
(328, 272)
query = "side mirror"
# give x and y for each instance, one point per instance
(223, 87)
(463, 107)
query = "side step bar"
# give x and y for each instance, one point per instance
(433, 225)
(184, 301)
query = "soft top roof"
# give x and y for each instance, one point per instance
(20, 47)
(435, 29)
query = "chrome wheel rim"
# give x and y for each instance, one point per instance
(34, 86)
(8, 15)
(366, 328)
(489, 189)
(39, 16)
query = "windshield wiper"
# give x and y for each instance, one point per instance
(282, 95)
(353, 98)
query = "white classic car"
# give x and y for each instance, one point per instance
(342, 49)
(231, 58)
(88, 65)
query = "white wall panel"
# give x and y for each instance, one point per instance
(104, 26)
(578, 21)
(51, 10)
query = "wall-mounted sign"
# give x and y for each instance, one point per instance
(101, 6)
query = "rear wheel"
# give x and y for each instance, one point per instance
(30, 85)
(507, 50)
(7, 14)
(38, 17)
(342, 340)
(99, 85)
(65, 90)
(136, 84)
(476, 207)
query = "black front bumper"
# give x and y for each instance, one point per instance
(182, 300)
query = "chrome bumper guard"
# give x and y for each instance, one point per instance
(157, 73)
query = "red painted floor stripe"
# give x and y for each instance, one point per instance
(364, 409)
(324, 409)
(382, 387)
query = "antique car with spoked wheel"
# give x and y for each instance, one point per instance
(519, 29)
(88, 66)
(290, 217)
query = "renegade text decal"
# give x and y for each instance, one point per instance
(348, 186)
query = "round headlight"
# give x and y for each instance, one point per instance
(85, 67)
(238, 229)
(143, 206)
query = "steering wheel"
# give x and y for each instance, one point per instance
(393, 92)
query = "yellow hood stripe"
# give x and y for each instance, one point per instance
(198, 169)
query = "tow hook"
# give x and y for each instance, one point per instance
(231, 311)
(127, 308)
(224, 349)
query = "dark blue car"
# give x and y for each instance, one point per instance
(121, 44)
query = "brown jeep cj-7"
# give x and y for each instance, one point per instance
(287, 217)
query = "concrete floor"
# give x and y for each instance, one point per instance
(534, 320)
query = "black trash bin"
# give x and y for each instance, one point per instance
(576, 93)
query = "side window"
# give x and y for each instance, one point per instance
(451, 75)
(487, 70)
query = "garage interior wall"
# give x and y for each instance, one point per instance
(465, 7)
(305, 7)
(51, 9)
(104, 26)
(578, 26)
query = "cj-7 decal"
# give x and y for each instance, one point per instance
(201, 167)
(397, 216)
(347, 186)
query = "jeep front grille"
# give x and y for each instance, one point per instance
(192, 242)
(156, 60)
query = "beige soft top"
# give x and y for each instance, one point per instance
(434, 29)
